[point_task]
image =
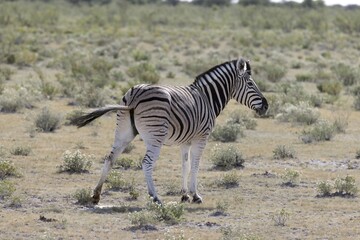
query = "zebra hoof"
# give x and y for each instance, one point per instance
(197, 199)
(185, 198)
(95, 198)
(157, 200)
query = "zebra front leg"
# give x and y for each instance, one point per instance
(196, 151)
(185, 172)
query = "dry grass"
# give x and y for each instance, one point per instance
(250, 207)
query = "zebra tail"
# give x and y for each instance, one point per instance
(87, 118)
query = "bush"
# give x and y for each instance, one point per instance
(229, 180)
(83, 196)
(291, 178)
(116, 182)
(12, 100)
(282, 152)
(92, 97)
(226, 158)
(274, 73)
(227, 133)
(321, 131)
(47, 121)
(304, 78)
(144, 73)
(7, 188)
(21, 151)
(127, 163)
(345, 186)
(238, 117)
(324, 189)
(281, 218)
(332, 88)
(221, 208)
(301, 113)
(170, 213)
(141, 56)
(357, 103)
(209, 3)
(7, 169)
(142, 218)
(75, 162)
(345, 74)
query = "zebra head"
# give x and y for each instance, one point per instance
(246, 91)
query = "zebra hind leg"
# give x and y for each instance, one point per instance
(124, 134)
(196, 151)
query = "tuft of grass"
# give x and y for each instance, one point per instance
(274, 73)
(226, 158)
(301, 113)
(229, 180)
(324, 189)
(320, 131)
(281, 218)
(7, 169)
(7, 188)
(342, 187)
(116, 182)
(129, 148)
(47, 121)
(83, 196)
(345, 74)
(221, 208)
(75, 162)
(21, 151)
(142, 219)
(243, 119)
(291, 178)
(170, 213)
(332, 88)
(345, 186)
(283, 151)
(128, 163)
(227, 133)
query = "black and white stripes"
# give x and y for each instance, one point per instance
(182, 115)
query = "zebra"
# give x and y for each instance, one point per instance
(177, 115)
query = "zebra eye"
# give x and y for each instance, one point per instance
(250, 84)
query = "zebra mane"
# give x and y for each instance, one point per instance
(198, 77)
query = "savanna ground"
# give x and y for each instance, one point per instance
(63, 57)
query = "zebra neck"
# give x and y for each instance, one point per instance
(215, 90)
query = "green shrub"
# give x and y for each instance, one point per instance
(116, 182)
(301, 113)
(226, 157)
(282, 152)
(345, 186)
(5, 73)
(83, 196)
(128, 163)
(92, 97)
(324, 189)
(144, 73)
(356, 103)
(221, 208)
(47, 121)
(7, 188)
(227, 133)
(320, 131)
(304, 78)
(14, 99)
(345, 74)
(291, 178)
(229, 180)
(281, 218)
(241, 118)
(7, 169)
(170, 213)
(340, 124)
(274, 73)
(332, 88)
(21, 151)
(142, 218)
(141, 56)
(75, 162)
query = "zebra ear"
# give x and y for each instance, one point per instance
(248, 68)
(241, 65)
